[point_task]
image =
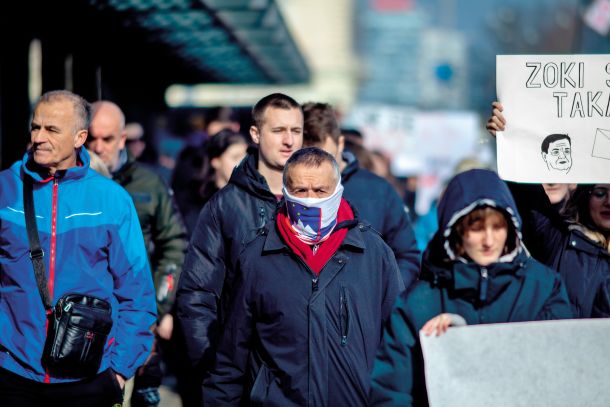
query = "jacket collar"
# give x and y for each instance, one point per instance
(41, 174)
(351, 166)
(587, 240)
(353, 240)
(246, 176)
(124, 174)
(468, 277)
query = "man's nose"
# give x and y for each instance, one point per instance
(95, 146)
(488, 237)
(38, 137)
(288, 138)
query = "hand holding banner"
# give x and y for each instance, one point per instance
(557, 109)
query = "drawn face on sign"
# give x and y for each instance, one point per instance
(557, 152)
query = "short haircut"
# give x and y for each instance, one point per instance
(275, 100)
(320, 123)
(310, 157)
(551, 138)
(82, 108)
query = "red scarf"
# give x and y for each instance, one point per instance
(316, 261)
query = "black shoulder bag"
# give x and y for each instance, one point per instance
(78, 325)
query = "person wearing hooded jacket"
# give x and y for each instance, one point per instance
(574, 241)
(314, 290)
(475, 270)
(231, 218)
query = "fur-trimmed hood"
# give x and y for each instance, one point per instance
(466, 192)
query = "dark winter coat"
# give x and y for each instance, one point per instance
(294, 339)
(518, 288)
(162, 227)
(379, 205)
(231, 218)
(584, 265)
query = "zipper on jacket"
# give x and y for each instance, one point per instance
(484, 284)
(314, 284)
(262, 217)
(53, 238)
(51, 284)
(343, 317)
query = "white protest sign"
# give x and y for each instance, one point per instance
(551, 363)
(428, 144)
(557, 109)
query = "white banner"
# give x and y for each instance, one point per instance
(427, 144)
(557, 109)
(542, 364)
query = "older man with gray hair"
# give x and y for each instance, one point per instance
(70, 247)
(314, 290)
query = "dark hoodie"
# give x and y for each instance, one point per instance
(516, 288)
(231, 218)
(379, 204)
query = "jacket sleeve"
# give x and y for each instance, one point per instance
(392, 376)
(134, 292)
(169, 238)
(601, 303)
(393, 284)
(542, 226)
(557, 306)
(200, 287)
(225, 384)
(398, 234)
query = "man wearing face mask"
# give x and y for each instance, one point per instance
(313, 292)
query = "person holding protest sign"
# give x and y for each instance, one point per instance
(574, 241)
(475, 271)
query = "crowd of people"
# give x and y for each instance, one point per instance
(280, 273)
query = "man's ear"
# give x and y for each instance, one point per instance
(80, 138)
(340, 145)
(123, 139)
(215, 163)
(543, 156)
(255, 134)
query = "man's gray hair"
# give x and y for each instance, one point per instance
(82, 108)
(311, 157)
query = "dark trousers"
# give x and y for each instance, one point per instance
(102, 390)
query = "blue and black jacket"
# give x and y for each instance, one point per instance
(93, 245)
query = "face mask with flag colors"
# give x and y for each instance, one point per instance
(313, 219)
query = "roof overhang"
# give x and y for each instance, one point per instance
(218, 41)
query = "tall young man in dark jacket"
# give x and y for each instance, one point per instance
(314, 289)
(230, 219)
(374, 198)
(162, 227)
